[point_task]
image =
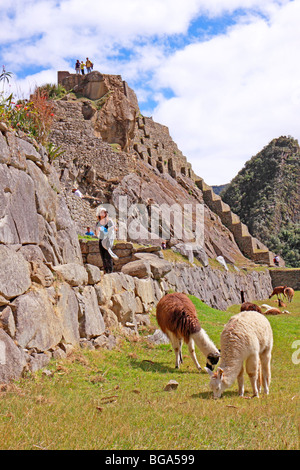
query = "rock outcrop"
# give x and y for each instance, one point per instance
(109, 102)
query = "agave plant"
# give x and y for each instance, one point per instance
(53, 151)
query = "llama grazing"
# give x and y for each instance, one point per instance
(289, 293)
(278, 291)
(249, 306)
(177, 318)
(246, 337)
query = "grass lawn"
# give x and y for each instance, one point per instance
(116, 399)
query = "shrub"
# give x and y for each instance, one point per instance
(53, 91)
(33, 117)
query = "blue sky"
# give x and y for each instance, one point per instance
(223, 75)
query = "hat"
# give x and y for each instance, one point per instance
(100, 209)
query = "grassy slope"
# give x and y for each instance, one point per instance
(115, 399)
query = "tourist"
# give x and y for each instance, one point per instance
(88, 65)
(82, 65)
(105, 231)
(89, 232)
(77, 192)
(77, 67)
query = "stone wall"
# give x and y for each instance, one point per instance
(285, 277)
(91, 255)
(216, 287)
(37, 236)
(81, 212)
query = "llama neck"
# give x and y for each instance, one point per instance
(204, 343)
(230, 371)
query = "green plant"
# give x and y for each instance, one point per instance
(53, 151)
(115, 147)
(33, 117)
(53, 91)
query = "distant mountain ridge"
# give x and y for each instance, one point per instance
(265, 194)
(219, 188)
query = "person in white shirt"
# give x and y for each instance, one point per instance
(77, 192)
(105, 231)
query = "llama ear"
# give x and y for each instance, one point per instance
(210, 372)
(219, 372)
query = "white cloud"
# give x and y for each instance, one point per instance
(234, 93)
(22, 88)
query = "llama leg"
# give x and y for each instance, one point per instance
(240, 380)
(191, 346)
(176, 345)
(265, 359)
(259, 377)
(180, 351)
(252, 370)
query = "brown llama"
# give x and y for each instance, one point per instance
(248, 306)
(289, 293)
(177, 318)
(277, 291)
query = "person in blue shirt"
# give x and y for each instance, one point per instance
(89, 232)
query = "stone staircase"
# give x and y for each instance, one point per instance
(251, 247)
(155, 146)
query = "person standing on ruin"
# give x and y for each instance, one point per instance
(88, 65)
(82, 65)
(77, 67)
(105, 231)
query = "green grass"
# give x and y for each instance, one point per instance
(115, 399)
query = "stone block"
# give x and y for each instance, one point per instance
(39, 329)
(14, 273)
(74, 274)
(138, 268)
(12, 359)
(94, 274)
(91, 323)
